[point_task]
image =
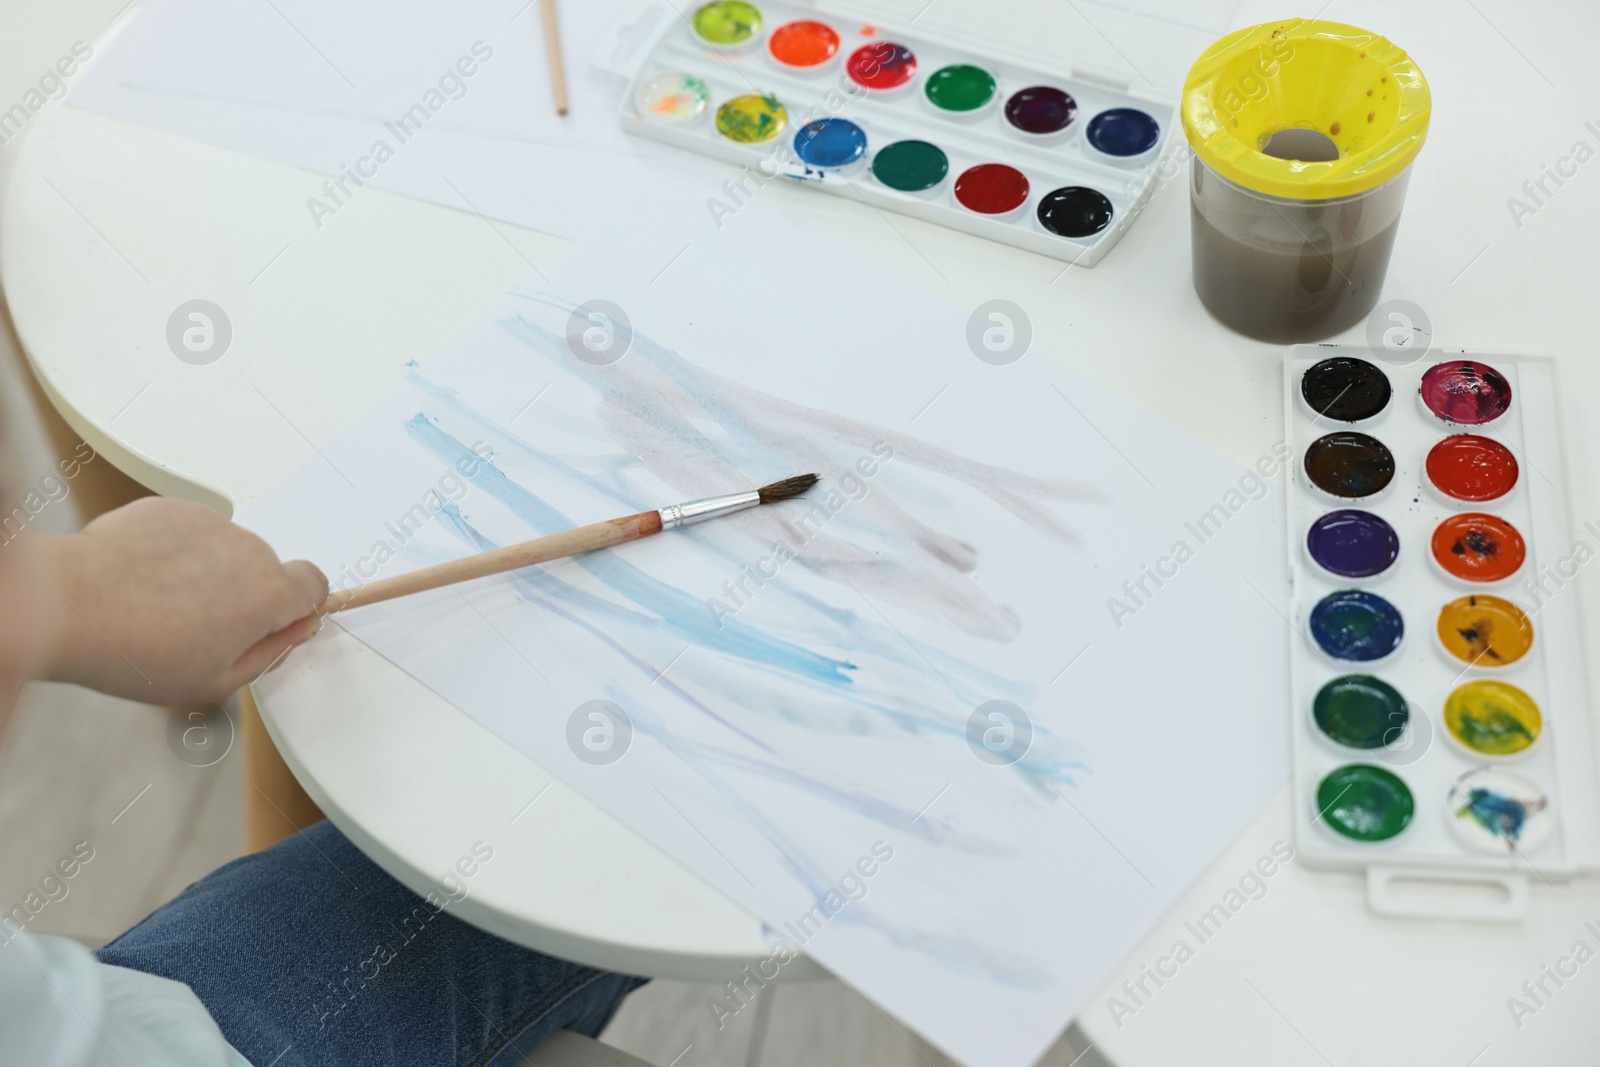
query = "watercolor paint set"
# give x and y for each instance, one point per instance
(1439, 697)
(1055, 161)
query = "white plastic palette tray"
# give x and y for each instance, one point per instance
(1065, 160)
(1424, 756)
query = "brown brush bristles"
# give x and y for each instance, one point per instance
(789, 487)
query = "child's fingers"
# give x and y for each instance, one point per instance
(311, 585)
(271, 650)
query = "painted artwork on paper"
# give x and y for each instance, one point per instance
(938, 666)
(836, 666)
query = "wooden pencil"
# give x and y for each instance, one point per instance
(552, 47)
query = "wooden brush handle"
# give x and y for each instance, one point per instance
(497, 561)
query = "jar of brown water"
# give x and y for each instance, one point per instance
(1289, 270)
(1303, 135)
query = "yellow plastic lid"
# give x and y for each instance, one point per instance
(1360, 90)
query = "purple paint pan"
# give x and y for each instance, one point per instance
(1353, 543)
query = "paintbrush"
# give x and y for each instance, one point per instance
(560, 545)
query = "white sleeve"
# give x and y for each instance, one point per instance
(60, 1007)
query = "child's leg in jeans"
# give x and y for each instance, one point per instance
(308, 954)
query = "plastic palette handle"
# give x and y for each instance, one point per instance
(631, 38)
(1384, 900)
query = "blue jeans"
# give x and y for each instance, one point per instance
(309, 955)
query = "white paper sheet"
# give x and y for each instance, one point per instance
(795, 720)
(321, 86)
(314, 84)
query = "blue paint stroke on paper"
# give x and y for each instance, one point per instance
(690, 619)
(972, 957)
(677, 609)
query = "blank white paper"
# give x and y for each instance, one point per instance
(450, 103)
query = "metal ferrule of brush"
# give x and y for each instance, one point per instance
(675, 515)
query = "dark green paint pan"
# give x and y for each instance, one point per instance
(1360, 711)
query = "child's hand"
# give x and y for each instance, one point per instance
(169, 603)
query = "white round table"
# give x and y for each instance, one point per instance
(109, 227)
